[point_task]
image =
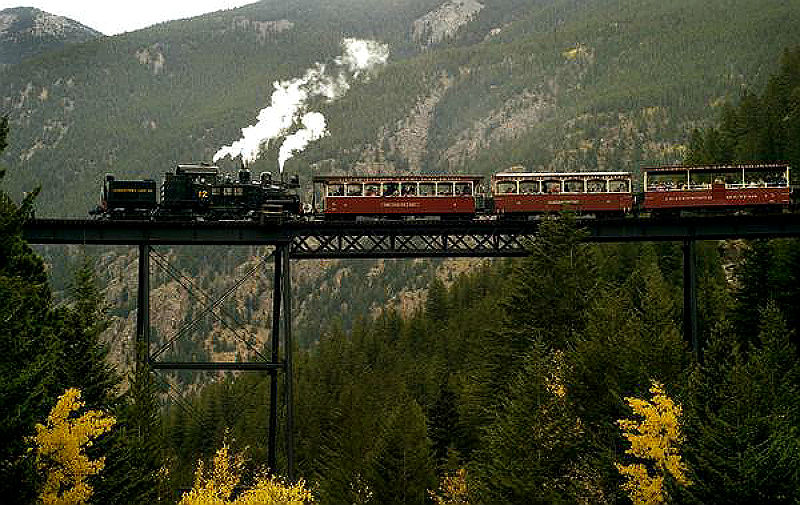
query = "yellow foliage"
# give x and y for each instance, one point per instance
(657, 439)
(452, 490)
(555, 382)
(579, 51)
(216, 487)
(642, 488)
(60, 446)
(272, 491)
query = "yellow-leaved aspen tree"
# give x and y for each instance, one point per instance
(656, 439)
(452, 490)
(60, 450)
(216, 486)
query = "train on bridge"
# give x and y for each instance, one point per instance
(203, 192)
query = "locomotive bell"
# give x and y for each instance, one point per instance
(266, 178)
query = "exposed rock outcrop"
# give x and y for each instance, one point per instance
(444, 22)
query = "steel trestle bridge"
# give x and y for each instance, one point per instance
(298, 240)
(368, 239)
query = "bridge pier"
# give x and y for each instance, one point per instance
(273, 385)
(281, 303)
(288, 360)
(690, 328)
(143, 309)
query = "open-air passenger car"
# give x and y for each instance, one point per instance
(716, 186)
(410, 196)
(530, 193)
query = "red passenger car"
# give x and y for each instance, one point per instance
(445, 196)
(528, 193)
(716, 186)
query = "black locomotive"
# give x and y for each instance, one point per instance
(200, 191)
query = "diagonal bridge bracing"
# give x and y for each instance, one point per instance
(321, 240)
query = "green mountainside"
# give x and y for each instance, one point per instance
(470, 87)
(550, 84)
(26, 32)
(513, 381)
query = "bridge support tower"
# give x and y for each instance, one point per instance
(281, 327)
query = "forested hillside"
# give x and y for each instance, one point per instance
(555, 83)
(519, 373)
(562, 377)
(469, 87)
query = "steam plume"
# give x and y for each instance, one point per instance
(289, 99)
(314, 128)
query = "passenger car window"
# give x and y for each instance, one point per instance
(463, 189)
(355, 189)
(573, 186)
(596, 186)
(408, 188)
(390, 189)
(371, 189)
(551, 186)
(528, 187)
(335, 189)
(618, 186)
(426, 189)
(507, 187)
(444, 188)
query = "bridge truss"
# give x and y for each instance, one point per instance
(324, 240)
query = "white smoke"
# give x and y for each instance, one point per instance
(314, 128)
(361, 55)
(289, 102)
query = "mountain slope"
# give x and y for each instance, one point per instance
(26, 32)
(550, 84)
(554, 84)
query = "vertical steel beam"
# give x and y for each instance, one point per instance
(275, 338)
(690, 331)
(143, 309)
(288, 351)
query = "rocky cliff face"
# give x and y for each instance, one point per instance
(26, 32)
(443, 22)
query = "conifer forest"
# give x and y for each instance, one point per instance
(563, 377)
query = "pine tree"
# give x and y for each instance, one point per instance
(547, 295)
(82, 355)
(27, 385)
(552, 288)
(436, 305)
(742, 439)
(402, 467)
(532, 451)
(135, 455)
(754, 289)
(443, 424)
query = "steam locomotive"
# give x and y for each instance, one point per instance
(194, 192)
(201, 192)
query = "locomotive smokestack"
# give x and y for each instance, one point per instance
(244, 175)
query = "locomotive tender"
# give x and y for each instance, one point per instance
(200, 192)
